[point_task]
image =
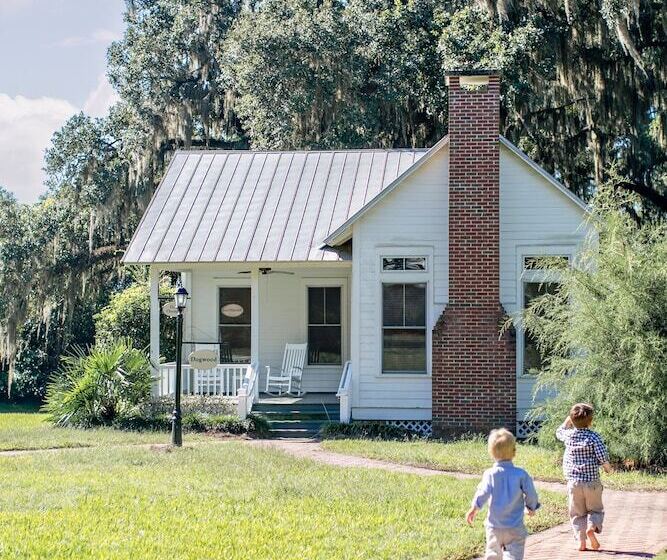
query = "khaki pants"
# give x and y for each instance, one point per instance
(584, 500)
(505, 544)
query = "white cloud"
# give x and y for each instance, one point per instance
(26, 127)
(98, 36)
(100, 99)
(11, 6)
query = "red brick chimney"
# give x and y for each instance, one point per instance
(474, 371)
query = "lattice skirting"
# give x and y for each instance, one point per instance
(526, 428)
(421, 427)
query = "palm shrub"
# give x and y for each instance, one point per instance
(110, 381)
(604, 335)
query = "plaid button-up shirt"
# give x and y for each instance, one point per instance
(584, 453)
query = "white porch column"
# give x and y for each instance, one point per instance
(254, 316)
(154, 284)
(186, 280)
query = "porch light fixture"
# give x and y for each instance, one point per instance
(181, 301)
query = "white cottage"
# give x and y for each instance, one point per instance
(395, 267)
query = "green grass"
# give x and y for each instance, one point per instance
(470, 456)
(228, 500)
(23, 427)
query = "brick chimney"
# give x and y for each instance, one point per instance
(474, 371)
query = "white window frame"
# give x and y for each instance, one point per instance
(534, 276)
(328, 282)
(405, 277)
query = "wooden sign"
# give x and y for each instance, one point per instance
(170, 309)
(203, 359)
(232, 310)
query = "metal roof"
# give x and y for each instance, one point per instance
(234, 206)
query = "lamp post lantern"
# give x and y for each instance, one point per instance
(181, 300)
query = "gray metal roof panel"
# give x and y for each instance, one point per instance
(233, 206)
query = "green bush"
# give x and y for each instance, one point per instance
(211, 405)
(364, 430)
(604, 336)
(195, 422)
(109, 382)
(128, 315)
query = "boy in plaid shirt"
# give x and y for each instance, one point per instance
(584, 453)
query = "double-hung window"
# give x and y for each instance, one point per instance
(539, 277)
(404, 334)
(324, 326)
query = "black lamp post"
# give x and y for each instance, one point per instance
(181, 299)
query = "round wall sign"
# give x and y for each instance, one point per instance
(203, 359)
(232, 310)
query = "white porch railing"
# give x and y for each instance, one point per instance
(248, 392)
(224, 380)
(343, 394)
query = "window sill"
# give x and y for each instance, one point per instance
(399, 375)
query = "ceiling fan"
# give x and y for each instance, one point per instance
(267, 270)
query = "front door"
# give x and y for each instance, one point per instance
(234, 325)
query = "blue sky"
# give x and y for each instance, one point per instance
(53, 63)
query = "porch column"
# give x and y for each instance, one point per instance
(154, 283)
(255, 283)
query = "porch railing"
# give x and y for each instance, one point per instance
(343, 394)
(224, 380)
(248, 392)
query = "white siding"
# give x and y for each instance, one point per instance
(282, 312)
(535, 218)
(414, 216)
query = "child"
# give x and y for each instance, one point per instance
(510, 489)
(584, 453)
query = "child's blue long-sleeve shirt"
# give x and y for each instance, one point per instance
(510, 489)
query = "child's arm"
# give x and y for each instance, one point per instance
(565, 429)
(531, 499)
(602, 455)
(481, 496)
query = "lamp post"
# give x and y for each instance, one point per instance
(181, 300)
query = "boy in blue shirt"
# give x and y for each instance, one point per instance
(510, 490)
(584, 454)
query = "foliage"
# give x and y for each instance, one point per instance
(203, 404)
(128, 315)
(363, 430)
(146, 503)
(110, 381)
(471, 456)
(604, 335)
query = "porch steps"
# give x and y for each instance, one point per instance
(296, 420)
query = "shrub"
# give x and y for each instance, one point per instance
(196, 422)
(604, 336)
(111, 381)
(364, 430)
(191, 404)
(128, 315)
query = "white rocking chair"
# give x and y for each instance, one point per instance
(291, 372)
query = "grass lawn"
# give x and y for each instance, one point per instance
(228, 500)
(470, 456)
(24, 427)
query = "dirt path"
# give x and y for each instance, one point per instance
(635, 522)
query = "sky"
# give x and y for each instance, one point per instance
(52, 65)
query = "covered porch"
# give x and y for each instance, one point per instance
(247, 313)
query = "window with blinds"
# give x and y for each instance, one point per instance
(404, 328)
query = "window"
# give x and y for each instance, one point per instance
(324, 326)
(544, 262)
(404, 328)
(234, 325)
(390, 264)
(532, 357)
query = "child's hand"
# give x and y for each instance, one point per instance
(530, 512)
(470, 516)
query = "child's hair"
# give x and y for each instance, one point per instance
(502, 445)
(581, 415)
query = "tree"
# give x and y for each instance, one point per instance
(604, 334)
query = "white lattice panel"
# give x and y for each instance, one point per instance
(526, 428)
(421, 427)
